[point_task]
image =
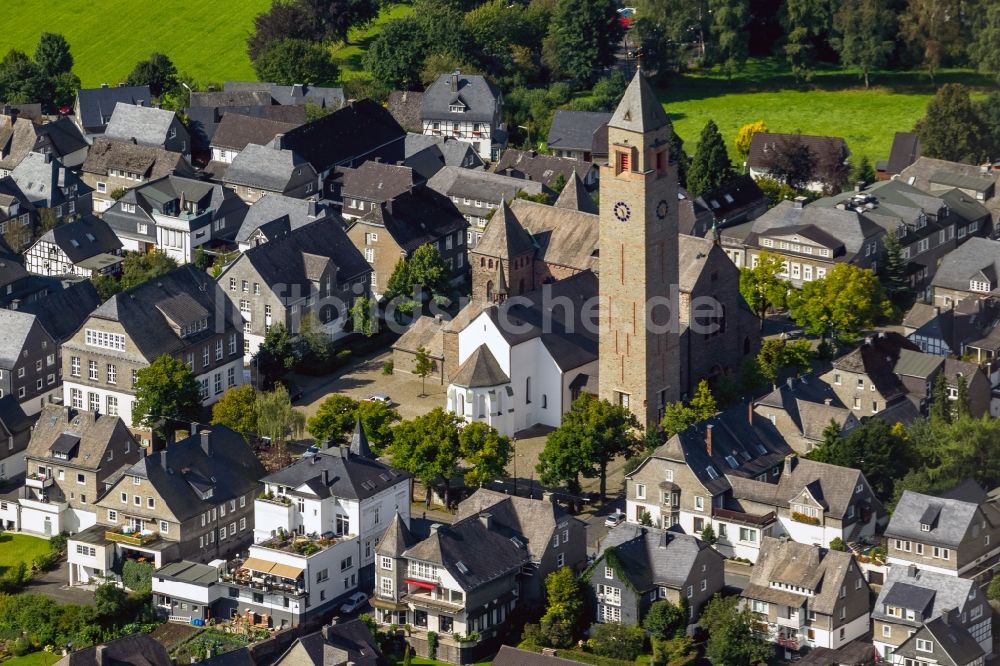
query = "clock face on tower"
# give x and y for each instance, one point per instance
(622, 211)
(661, 209)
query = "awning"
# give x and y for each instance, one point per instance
(262, 566)
(286, 571)
(420, 583)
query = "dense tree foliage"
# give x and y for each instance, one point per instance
(951, 128)
(428, 446)
(762, 287)
(731, 638)
(165, 390)
(582, 38)
(882, 452)
(47, 79)
(157, 71)
(710, 167)
(291, 61)
(237, 410)
(846, 301)
(865, 31)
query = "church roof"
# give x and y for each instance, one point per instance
(574, 197)
(359, 442)
(479, 370)
(639, 110)
(504, 236)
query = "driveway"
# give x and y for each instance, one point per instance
(55, 584)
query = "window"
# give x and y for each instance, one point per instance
(748, 535)
(370, 255)
(886, 631)
(74, 366)
(385, 563)
(699, 503)
(92, 370)
(112, 515)
(232, 284)
(218, 349)
(560, 559)
(104, 339)
(924, 645)
(112, 409)
(609, 573)
(164, 527)
(385, 586)
(112, 373)
(640, 491)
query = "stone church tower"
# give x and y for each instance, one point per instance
(639, 355)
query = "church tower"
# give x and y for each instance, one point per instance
(639, 355)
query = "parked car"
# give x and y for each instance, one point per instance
(615, 519)
(353, 603)
(311, 452)
(380, 397)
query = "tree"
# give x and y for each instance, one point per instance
(141, 267)
(21, 79)
(596, 430)
(377, 418)
(110, 601)
(664, 26)
(708, 535)
(771, 359)
(165, 390)
(863, 171)
(761, 286)
(940, 409)
(428, 447)
(843, 303)
(893, 271)
(665, 620)
(731, 639)
(334, 18)
(363, 319)
(291, 61)
(745, 136)
(485, 451)
(961, 407)
(710, 168)
(394, 57)
(275, 356)
(776, 191)
(869, 47)
(334, 419)
(157, 72)
(984, 51)
(564, 607)
(583, 36)
(276, 418)
(106, 286)
(703, 402)
(237, 410)
(618, 641)
(882, 452)
(422, 366)
(933, 27)
(730, 34)
(423, 271)
(679, 157)
(314, 347)
(677, 417)
(283, 20)
(793, 162)
(52, 55)
(950, 130)
(806, 23)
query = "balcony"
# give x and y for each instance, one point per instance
(422, 598)
(259, 582)
(793, 621)
(300, 544)
(803, 518)
(131, 538)
(40, 481)
(788, 643)
(728, 515)
(271, 498)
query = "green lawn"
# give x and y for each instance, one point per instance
(835, 103)
(16, 548)
(33, 659)
(349, 55)
(107, 37)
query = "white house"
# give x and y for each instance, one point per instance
(84, 247)
(466, 107)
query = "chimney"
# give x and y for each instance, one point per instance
(486, 519)
(206, 442)
(435, 527)
(100, 658)
(798, 202)
(708, 439)
(454, 80)
(311, 207)
(279, 141)
(750, 412)
(937, 310)
(859, 185)
(326, 476)
(944, 617)
(104, 85)
(47, 157)
(163, 458)
(911, 571)
(790, 461)
(827, 401)
(142, 451)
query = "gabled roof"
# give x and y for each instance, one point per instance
(810, 403)
(480, 370)
(904, 152)
(93, 432)
(477, 93)
(876, 358)
(404, 105)
(927, 593)
(504, 236)
(147, 126)
(732, 197)
(579, 130)
(135, 650)
(574, 196)
(17, 327)
(840, 228)
(653, 557)
(545, 169)
(96, 105)
(339, 644)
(764, 147)
(396, 538)
(147, 161)
(639, 109)
(12, 417)
(950, 644)
(564, 237)
(62, 312)
(269, 168)
(83, 238)
(955, 517)
(336, 472)
(235, 131)
(966, 261)
(917, 364)
(272, 206)
(376, 181)
(357, 130)
(481, 185)
(20, 136)
(359, 442)
(415, 218)
(297, 94)
(46, 182)
(512, 656)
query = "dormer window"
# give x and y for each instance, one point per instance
(457, 108)
(979, 285)
(924, 527)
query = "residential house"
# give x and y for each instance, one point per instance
(736, 201)
(63, 311)
(260, 170)
(954, 534)
(579, 135)
(15, 431)
(372, 184)
(404, 105)
(969, 271)
(181, 313)
(801, 410)
(18, 287)
(312, 271)
(18, 216)
(297, 94)
(395, 229)
(552, 172)
(84, 247)
(637, 566)
(207, 112)
(950, 330)
(342, 643)
(904, 151)
(462, 582)
(146, 126)
(29, 368)
(19, 135)
(828, 152)
(940, 641)
(273, 216)
(467, 107)
(478, 194)
(938, 176)
(71, 455)
(864, 378)
(112, 167)
(805, 596)
(427, 154)
(912, 597)
(94, 107)
(191, 500)
(359, 131)
(553, 537)
(236, 131)
(52, 189)
(919, 372)
(176, 216)
(139, 649)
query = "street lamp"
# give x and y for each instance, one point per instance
(528, 130)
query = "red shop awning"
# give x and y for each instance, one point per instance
(420, 583)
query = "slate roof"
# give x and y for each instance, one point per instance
(17, 139)
(473, 554)
(396, 538)
(951, 644)
(479, 370)
(732, 198)
(235, 131)
(404, 105)
(574, 196)
(927, 593)
(17, 327)
(357, 130)
(563, 237)
(135, 650)
(415, 218)
(149, 332)
(148, 161)
(954, 518)
(61, 313)
(269, 168)
(477, 93)
(917, 364)
(298, 94)
(967, 261)
(289, 260)
(426, 332)
(12, 417)
(639, 109)
(338, 644)
(46, 182)
(480, 185)
(96, 104)
(653, 557)
(904, 152)
(876, 358)
(810, 403)
(348, 476)
(763, 147)
(504, 236)
(58, 138)
(544, 169)
(579, 130)
(819, 569)
(837, 228)
(146, 125)
(95, 433)
(83, 238)
(427, 154)
(376, 181)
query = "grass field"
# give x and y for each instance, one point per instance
(107, 37)
(834, 103)
(33, 659)
(349, 55)
(16, 548)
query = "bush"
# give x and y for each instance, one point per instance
(618, 641)
(432, 645)
(15, 578)
(137, 576)
(388, 367)
(993, 591)
(46, 562)
(665, 620)
(836, 543)
(674, 652)
(21, 647)
(57, 544)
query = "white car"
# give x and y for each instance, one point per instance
(353, 603)
(614, 519)
(380, 397)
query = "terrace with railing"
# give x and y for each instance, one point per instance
(300, 544)
(131, 537)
